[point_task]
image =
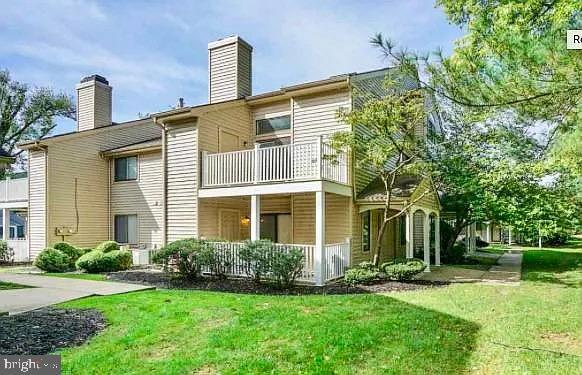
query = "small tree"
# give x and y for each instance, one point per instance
(385, 141)
(28, 113)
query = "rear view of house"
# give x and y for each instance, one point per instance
(242, 166)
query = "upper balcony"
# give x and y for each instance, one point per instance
(14, 192)
(278, 164)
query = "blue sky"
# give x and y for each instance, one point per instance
(153, 52)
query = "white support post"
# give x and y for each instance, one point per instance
(426, 240)
(204, 167)
(408, 234)
(488, 231)
(474, 237)
(5, 224)
(257, 163)
(437, 240)
(319, 157)
(510, 239)
(255, 217)
(320, 238)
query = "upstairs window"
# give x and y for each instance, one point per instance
(273, 124)
(126, 168)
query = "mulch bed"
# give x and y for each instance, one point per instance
(48, 329)
(245, 286)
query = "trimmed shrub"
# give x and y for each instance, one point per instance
(98, 261)
(480, 243)
(69, 250)
(454, 255)
(53, 260)
(255, 255)
(402, 269)
(107, 246)
(356, 275)
(285, 266)
(4, 251)
(84, 250)
(188, 256)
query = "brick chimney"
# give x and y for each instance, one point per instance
(93, 103)
(229, 69)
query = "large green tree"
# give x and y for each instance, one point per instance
(28, 113)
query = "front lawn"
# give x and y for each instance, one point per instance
(532, 328)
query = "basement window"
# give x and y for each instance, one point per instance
(126, 168)
(273, 124)
(125, 229)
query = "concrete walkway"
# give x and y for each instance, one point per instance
(50, 290)
(506, 272)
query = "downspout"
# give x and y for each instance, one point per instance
(164, 181)
(109, 218)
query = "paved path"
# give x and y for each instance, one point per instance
(50, 290)
(506, 272)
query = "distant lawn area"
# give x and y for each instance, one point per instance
(82, 276)
(8, 286)
(463, 328)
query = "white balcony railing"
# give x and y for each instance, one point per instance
(14, 190)
(293, 162)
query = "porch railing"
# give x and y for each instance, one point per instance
(293, 162)
(14, 190)
(18, 250)
(336, 259)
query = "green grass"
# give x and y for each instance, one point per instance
(556, 266)
(463, 328)
(82, 276)
(8, 286)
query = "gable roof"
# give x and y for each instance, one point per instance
(404, 186)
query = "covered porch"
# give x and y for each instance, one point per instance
(318, 223)
(413, 231)
(14, 218)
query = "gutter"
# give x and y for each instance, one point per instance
(164, 179)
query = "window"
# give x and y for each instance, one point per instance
(366, 228)
(126, 168)
(273, 124)
(126, 229)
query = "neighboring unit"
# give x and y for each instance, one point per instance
(242, 166)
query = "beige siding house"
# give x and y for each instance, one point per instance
(241, 167)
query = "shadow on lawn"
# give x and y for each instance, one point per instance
(220, 332)
(553, 266)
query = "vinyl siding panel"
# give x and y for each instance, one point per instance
(232, 120)
(75, 161)
(245, 69)
(143, 197)
(223, 73)
(337, 218)
(209, 209)
(425, 196)
(85, 113)
(316, 116)
(181, 182)
(37, 202)
(102, 106)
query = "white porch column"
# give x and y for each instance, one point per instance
(488, 231)
(319, 256)
(510, 239)
(426, 241)
(410, 232)
(255, 217)
(474, 237)
(6, 224)
(407, 223)
(437, 240)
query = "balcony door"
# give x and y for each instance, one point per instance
(276, 227)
